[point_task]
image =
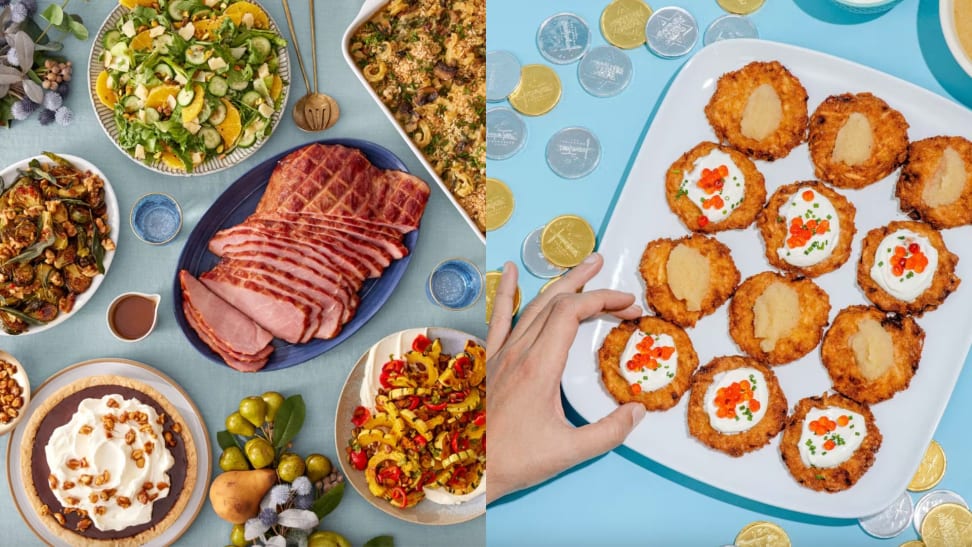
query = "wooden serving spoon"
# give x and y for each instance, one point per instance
(314, 111)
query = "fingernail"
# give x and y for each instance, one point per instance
(638, 413)
(506, 267)
(591, 258)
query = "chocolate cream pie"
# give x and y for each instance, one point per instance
(108, 460)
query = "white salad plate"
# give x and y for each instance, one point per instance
(641, 214)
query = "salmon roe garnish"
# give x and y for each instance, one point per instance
(801, 232)
(910, 258)
(649, 354)
(713, 179)
(728, 398)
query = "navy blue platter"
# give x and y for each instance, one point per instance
(237, 203)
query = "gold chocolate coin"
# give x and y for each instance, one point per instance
(741, 7)
(567, 240)
(930, 470)
(948, 525)
(492, 283)
(499, 204)
(623, 23)
(538, 92)
(762, 534)
(547, 284)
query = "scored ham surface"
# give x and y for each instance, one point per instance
(327, 221)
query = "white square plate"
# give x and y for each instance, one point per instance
(641, 214)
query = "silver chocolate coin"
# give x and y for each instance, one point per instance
(728, 27)
(605, 71)
(502, 75)
(563, 38)
(892, 521)
(932, 500)
(573, 152)
(671, 32)
(533, 258)
(505, 133)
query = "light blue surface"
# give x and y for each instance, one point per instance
(146, 268)
(623, 498)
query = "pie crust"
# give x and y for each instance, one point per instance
(174, 424)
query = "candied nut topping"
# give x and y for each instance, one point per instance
(86, 479)
(52, 481)
(130, 436)
(93, 497)
(59, 518)
(85, 430)
(137, 454)
(84, 463)
(161, 486)
(142, 497)
(103, 478)
(112, 403)
(100, 509)
(74, 464)
(177, 428)
(169, 441)
(123, 502)
(149, 447)
(71, 500)
(140, 463)
(67, 485)
(83, 524)
(45, 510)
(11, 400)
(161, 419)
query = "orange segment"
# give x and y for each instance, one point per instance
(172, 160)
(130, 4)
(276, 87)
(238, 10)
(230, 127)
(142, 41)
(191, 112)
(105, 94)
(160, 94)
(205, 27)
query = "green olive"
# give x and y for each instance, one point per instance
(259, 452)
(273, 400)
(254, 409)
(238, 425)
(323, 538)
(232, 459)
(290, 467)
(237, 537)
(318, 467)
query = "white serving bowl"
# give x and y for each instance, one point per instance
(866, 6)
(946, 14)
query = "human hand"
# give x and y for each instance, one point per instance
(530, 438)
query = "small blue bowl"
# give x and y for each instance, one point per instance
(455, 284)
(867, 7)
(156, 218)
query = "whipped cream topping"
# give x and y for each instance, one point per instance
(111, 461)
(649, 361)
(715, 185)
(736, 400)
(813, 228)
(904, 264)
(831, 436)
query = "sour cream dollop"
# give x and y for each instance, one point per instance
(649, 361)
(736, 400)
(904, 264)
(716, 196)
(831, 436)
(812, 228)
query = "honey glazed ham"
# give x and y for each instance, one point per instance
(328, 221)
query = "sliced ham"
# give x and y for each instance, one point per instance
(325, 230)
(284, 316)
(242, 365)
(230, 327)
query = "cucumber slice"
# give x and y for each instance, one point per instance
(210, 137)
(218, 114)
(175, 10)
(111, 38)
(196, 54)
(204, 113)
(130, 103)
(251, 99)
(237, 81)
(185, 96)
(151, 115)
(164, 71)
(217, 86)
(247, 138)
(260, 46)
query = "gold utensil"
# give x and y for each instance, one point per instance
(314, 111)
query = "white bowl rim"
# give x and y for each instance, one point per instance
(946, 15)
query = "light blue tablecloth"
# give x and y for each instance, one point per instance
(141, 267)
(623, 498)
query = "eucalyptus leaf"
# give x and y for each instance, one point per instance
(78, 30)
(5, 70)
(288, 421)
(329, 501)
(7, 79)
(24, 45)
(380, 541)
(5, 16)
(227, 440)
(76, 17)
(298, 518)
(53, 14)
(33, 90)
(50, 46)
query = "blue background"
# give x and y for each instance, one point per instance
(623, 498)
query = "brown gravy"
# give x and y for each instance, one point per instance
(132, 316)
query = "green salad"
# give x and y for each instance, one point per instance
(190, 80)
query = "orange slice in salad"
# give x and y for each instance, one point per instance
(276, 87)
(130, 4)
(171, 160)
(204, 28)
(230, 127)
(105, 94)
(142, 41)
(238, 10)
(160, 95)
(191, 112)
